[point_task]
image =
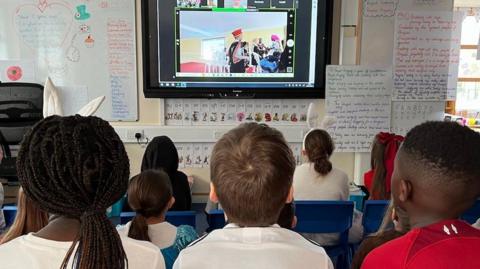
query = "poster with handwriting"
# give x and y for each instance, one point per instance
(379, 8)
(406, 115)
(359, 97)
(422, 53)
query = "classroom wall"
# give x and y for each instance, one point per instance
(191, 49)
(150, 112)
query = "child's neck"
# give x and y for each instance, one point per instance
(156, 220)
(61, 229)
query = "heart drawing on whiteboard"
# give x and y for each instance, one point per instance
(43, 26)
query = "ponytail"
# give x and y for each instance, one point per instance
(322, 165)
(319, 147)
(139, 228)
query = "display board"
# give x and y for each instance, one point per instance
(84, 46)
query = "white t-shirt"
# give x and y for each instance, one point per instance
(308, 184)
(477, 224)
(30, 251)
(161, 235)
(271, 247)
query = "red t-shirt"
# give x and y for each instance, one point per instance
(446, 244)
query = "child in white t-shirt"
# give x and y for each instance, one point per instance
(252, 168)
(150, 195)
(75, 168)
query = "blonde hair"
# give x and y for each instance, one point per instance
(29, 219)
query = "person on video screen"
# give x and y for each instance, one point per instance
(238, 53)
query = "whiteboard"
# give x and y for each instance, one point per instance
(83, 45)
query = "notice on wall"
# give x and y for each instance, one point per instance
(406, 115)
(380, 8)
(422, 53)
(359, 98)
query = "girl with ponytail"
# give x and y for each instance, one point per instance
(75, 168)
(317, 179)
(150, 195)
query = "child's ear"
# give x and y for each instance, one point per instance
(171, 202)
(304, 153)
(213, 195)
(405, 190)
(290, 196)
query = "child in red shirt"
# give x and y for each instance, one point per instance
(436, 178)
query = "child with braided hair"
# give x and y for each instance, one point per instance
(75, 168)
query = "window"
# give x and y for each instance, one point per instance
(468, 87)
(213, 48)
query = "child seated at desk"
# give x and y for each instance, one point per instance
(252, 168)
(150, 196)
(435, 179)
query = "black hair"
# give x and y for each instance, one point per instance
(161, 154)
(446, 156)
(77, 167)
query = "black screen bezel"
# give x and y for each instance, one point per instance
(150, 52)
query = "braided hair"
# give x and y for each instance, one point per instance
(319, 147)
(77, 167)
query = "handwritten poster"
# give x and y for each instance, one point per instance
(121, 59)
(406, 115)
(454, 56)
(422, 55)
(359, 98)
(380, 8)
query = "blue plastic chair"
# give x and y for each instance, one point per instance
(373, 213)
(176, 218)
(472, 214)
(327, 217)
(216, 220)
(9, 212)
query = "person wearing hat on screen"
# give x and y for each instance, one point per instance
(237, 54)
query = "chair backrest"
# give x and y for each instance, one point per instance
(324, 217)
(9, 212)
(473, 213)
(215, 219)
(373, 213)
(176, 218)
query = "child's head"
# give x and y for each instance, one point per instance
(161, 154)
(437, 171)
(76, 167)
(252, 169)
(29, 219)
(318, 149)
(150, 196)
